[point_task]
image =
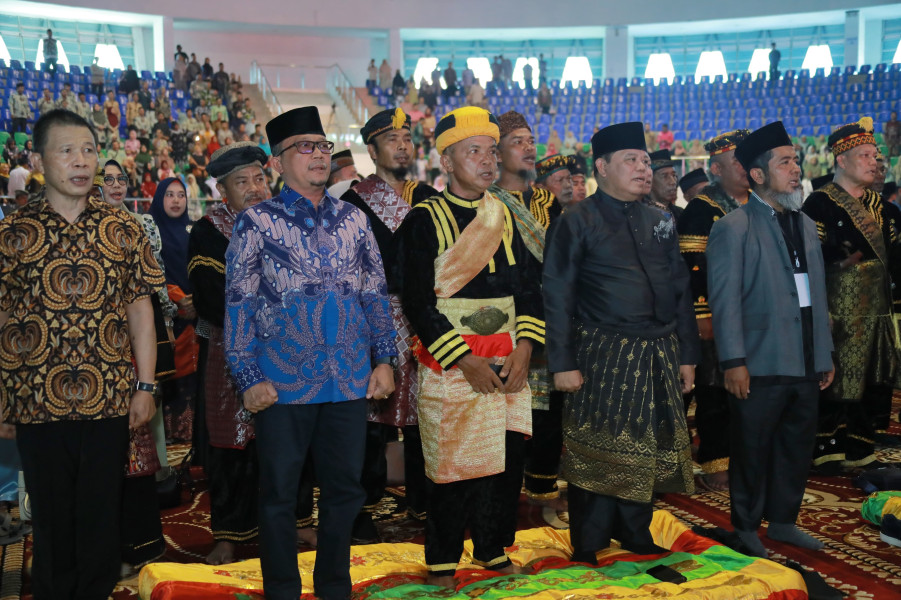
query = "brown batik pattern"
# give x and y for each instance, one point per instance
(65, 352)
(625, 431)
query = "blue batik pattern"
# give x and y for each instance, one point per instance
(306, 300)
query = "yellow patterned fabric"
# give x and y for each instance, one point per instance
(862, 329)
(65, 351)
(713, 572)
(463, 431)
(624, 430)
(457, 264)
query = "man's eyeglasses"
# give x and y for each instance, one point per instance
(306, 147)
(110, 180)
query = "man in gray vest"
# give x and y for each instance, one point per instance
(767, 293)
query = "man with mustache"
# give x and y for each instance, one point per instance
(727, 191)
(664, 183)
(386, 197)
(232, 466)
(535, 208)
(855, 232)
(767, 288)
(308, 340)
(517, 155)
(554, 174)
(471, 292)
(621, 334)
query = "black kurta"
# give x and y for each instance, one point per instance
(615, 266)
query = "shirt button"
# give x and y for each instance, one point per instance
(794, 294)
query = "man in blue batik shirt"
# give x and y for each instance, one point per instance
(307, 317)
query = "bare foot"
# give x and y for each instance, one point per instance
(445, 581)
(718, 482)
(222, 554)
(307, 535)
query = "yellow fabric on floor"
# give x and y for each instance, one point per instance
(759, 579)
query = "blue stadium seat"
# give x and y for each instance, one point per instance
(29, 65)
(863, 70)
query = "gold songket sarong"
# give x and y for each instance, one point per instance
(463, 432)
(624, 430)
(863, 329)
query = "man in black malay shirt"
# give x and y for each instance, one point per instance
(386, 197)
(767, 289)
(621, 334)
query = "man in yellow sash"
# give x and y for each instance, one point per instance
(856, 240)
(470, 289)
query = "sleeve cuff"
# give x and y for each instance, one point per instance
(449, 348)
(248, 377)
(702, 308)
(530, 328)
(732, 363)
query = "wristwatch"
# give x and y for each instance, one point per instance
(146, 387)
(388, 360)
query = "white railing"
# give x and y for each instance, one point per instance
(258, 78)
(331, 78)
(340, 88)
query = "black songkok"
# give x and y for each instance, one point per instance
(234, 157)
(387, 120)
(622, 136)
(693, 178)
(342, 159)
(764, 139)
(660, 159)
(298, 121)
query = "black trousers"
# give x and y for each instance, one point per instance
(375, 464)
(375, 467)
(234, 483)
(595, 519)
(846, 430)
(416, 484)
(334, 434)
(543, 450)
(74, 472)
(19, 124)
(200, 435)
(142, 530)
(772, 434)
(487, 505)
(712, 420)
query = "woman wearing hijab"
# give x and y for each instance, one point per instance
(169, 212)
(142, 532)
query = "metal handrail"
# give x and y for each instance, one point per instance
(259, 78)
(338, 85)
(342, 90)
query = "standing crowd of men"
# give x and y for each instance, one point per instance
(515, 330)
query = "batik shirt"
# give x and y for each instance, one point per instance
(64, 352)
(306, 300)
